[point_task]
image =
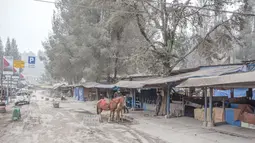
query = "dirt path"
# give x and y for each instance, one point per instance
(42, 123)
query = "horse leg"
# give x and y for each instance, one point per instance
(121, 112)
(109, 119)
(100, 115)
(113, 112)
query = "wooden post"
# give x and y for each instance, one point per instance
(210, 123)
(232, 93)
(223, 106)
(168, 101)
(183, 106)
(134, 98)
(205, 108)
(97, 96)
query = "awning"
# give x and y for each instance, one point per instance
(105, 86)
(238, 80)
(130, 84)
(203, 72)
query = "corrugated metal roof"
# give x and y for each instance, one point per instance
(90, 84)
(130, 84)
(203, 72)
(55, 86)
(234, 80)
(105, 86)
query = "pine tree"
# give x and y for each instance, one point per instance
(7, 51)
(1, 48)
(1, 52)
(14, 50)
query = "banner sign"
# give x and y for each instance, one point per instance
(19, 64)
(7, 65)
(16, 72)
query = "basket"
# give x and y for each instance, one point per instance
(56, 105)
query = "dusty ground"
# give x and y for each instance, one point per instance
(74, 122)
(42, 123)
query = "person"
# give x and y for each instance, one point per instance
(125, 106)
(101, 96)
(116, 94)
(158, 103)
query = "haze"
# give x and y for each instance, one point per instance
(28, 21)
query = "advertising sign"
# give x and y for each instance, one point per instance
(7, 65)
(19, 64)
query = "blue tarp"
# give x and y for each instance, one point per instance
(239, 92)
(79, 93)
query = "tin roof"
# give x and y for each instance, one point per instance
(105, 86)
(130, 84)
(237, 80)
(203, 72)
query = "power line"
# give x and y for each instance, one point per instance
(142, 12)
(97, 8)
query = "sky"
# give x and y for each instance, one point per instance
(28, 21)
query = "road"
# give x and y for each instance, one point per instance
(42, 123)
(75, 122)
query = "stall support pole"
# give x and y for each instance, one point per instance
(183, 106)
(97, 94)
(168, 101)
(205, 108)
(210, 123)
(223, 106)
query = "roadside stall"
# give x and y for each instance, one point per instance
(235, 111)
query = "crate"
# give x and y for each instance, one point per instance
(230, 117)
(247, 125)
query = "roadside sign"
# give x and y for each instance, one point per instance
(15, 72)
(19, 64)
(31, 60)
(7, 65)
(31, 66)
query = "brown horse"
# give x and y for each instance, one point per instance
(119, 110)
(103, 105)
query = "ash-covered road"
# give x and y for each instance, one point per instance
(41, 123)
(75, 122)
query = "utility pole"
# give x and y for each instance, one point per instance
(2, 68)
(7, 91)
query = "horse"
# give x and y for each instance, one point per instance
(103, 105)
(119, 110)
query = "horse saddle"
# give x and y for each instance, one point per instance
(104, 104)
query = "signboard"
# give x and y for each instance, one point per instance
(15, 72)
(18, 64)
(7, 65)
(31, 61)
(21, 76)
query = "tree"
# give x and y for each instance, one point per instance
(14, 50)
(1, 51)
(246, 32)
(7, 51)
(166, 27)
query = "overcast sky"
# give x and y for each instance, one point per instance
(28, 21)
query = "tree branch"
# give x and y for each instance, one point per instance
(201, 42)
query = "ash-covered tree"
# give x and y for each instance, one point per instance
(167, 28)
(7, 51)
(1, 48)
(14, 50)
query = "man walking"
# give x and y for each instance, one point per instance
(158, 103)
